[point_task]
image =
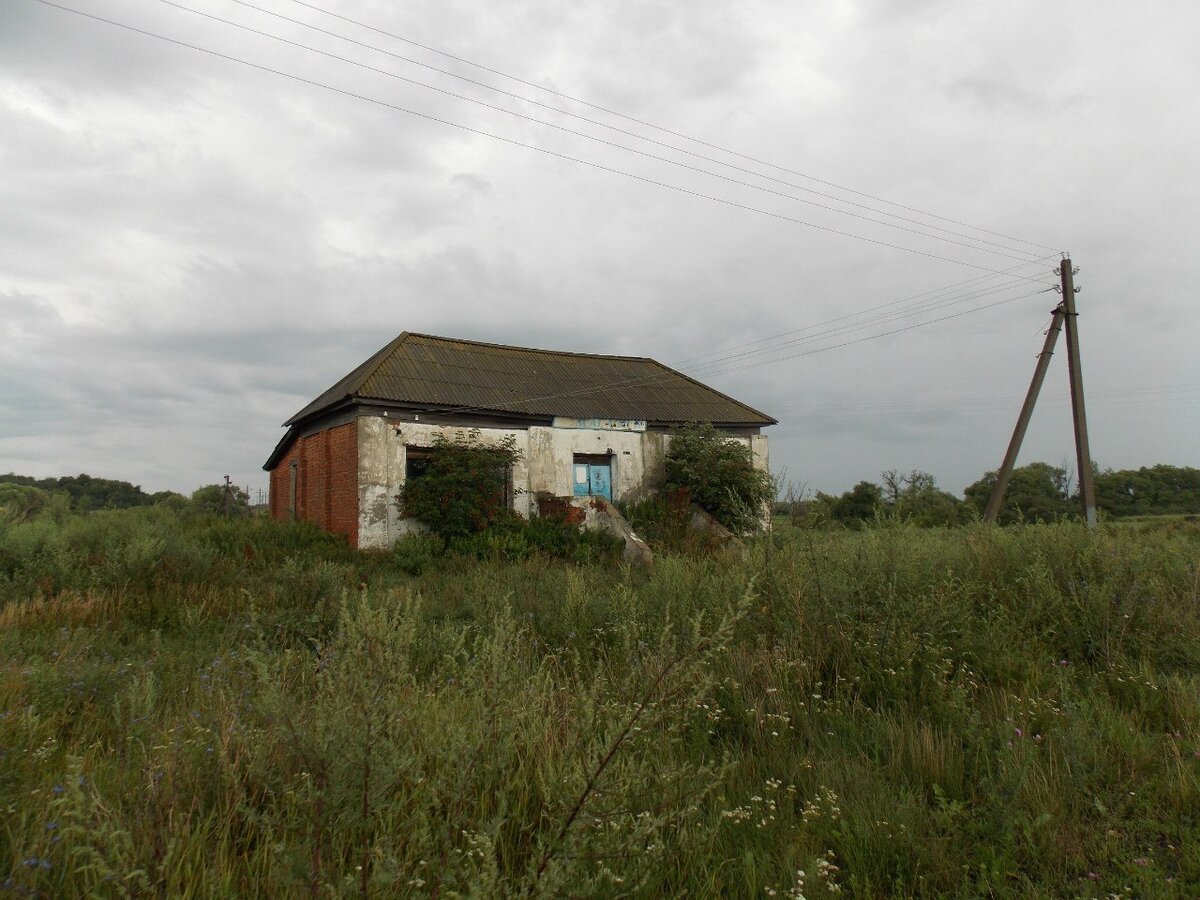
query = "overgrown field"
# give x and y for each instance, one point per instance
(191, 707)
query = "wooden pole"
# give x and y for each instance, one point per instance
(1004, 474)
(1083, 455)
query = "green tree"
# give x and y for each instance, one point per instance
(86, 493)
(718, 474)
(464, 485)
(212, 499)
(1036, 493)
(1154, 490)
(856, 505)
(917, 499)
(21, 502)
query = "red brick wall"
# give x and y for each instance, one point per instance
(326, 480)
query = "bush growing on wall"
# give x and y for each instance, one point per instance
(462, 489)
(719, 475)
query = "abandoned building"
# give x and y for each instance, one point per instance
(586, 425)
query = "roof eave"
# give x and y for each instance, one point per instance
(280, 449)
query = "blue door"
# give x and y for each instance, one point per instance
(592, 479)
(582, 481)
(600, 478)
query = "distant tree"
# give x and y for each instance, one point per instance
(1156, 490)
(87, 493)
(1036, 493)
(857, 505)
(212, 499)
(718, 474)
(21, 502)
(792, 503)
(918, 500)
(893, 486)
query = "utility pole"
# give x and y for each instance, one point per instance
(1004, 475)
(1065, 319)
(225, 497)
(1083, 455)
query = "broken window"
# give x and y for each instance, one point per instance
(416, 461)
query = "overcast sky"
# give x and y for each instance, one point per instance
(192, 249)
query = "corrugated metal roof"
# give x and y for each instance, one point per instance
(455, 374)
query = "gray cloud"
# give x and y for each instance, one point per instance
(190, 250)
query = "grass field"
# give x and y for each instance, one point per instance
(199, 708)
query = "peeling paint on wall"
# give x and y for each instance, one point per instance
(637, 460)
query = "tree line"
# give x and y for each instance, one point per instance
(1038, 492)
(22, 497)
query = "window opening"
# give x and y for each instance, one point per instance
(416, 461)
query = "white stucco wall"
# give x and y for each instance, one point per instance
(381, 466)
(547, 455)
(636, 458)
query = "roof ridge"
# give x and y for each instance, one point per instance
(454, 340)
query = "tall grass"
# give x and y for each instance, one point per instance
(192, 707)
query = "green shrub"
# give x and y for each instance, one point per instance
(506, 539)
(512, 539)
(663, 521)
(463, 487)
(718, 473)
(220, 499)
(21, 502)
(416, 552)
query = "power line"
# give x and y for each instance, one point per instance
(972, 404)
(478, 131)
(874, 308)
(663, 376)
(565, 112)
(650, 380)
(927, 306)
(376, 101)
(872, 337)
(628, 118)
(654, 156)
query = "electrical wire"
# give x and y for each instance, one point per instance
(890, 303)
(872, 337)
(637, 121)
(516, 143)
(565, 112)
(928, 306)
(973, 405)
(602, 167)
(649, 380)
(618, 146)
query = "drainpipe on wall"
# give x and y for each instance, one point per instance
(292, 492)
